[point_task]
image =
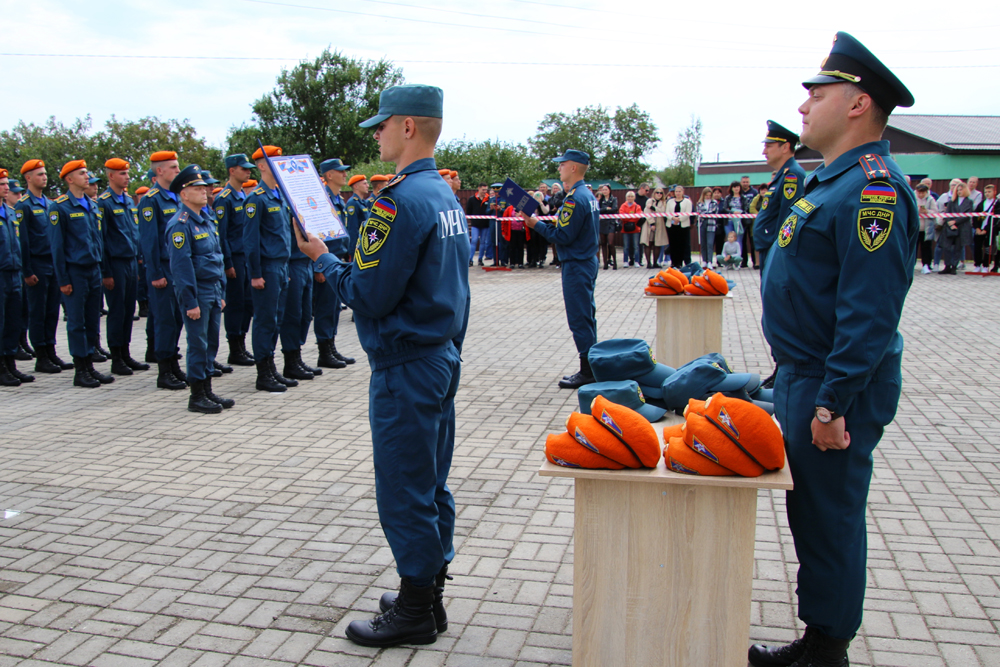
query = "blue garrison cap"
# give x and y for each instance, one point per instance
(625, 393)
(190, 175)
(780, 134)
(333, 164)
(572, 155)
(239, 160)
(850, 62)
(151, 175)
(619, 359)
(15, 186)
(207, 177)
(93, 179)
(703, 377)
(408, 100)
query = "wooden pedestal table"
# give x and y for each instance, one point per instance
(663, 565)
(687, 327)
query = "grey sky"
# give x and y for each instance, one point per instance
(735, 65)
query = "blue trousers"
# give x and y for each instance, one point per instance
(491, 239)
(269, 307)
(630, 245)
(477, 235)
(142, 291)
(201, 334)
(83, 308)
(579, 276)
(412, 415)
(43, 305)
(165, 318)
(121, 301)
(326, 312)
(826, 511)
(10, 312)
(298, 305)
(239, 301)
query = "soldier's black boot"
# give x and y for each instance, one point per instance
(175, 368)
(6, 379)
(226, 403)
(104, 353)
(288, 382)
(98, 375)
(199, 402)
(760, 655)
(132, 363)
(293, 368)
(440, 615)
(266, 381)
(222, 368)
(326, 358)
(82, 377)
(166, 379)
(825, 651)
(43, 364)
(237, 356)
(409, 621)
(54, 358)
(304, 366)
(585, 376)
(150, 357)
(24, 348)
(338, 355)
(246, 352)
(143, 309)
(11, 362)
(118, 365)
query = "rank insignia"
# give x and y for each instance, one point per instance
(680, 467)
(698, 446)
(582, 439)
(874, 225)
(879, 192)
(787, 230)
(790, 186)
(147, 214)
(178, 239)
(251, 210)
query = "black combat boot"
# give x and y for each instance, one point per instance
(292, 367)
(132, 363)
(99, 355)
(213, 372)
(150, 357)
(410, 620)
(43, 364)
(266, 381)
(288, 382)
(825, 651)
(306, 367)
(236, 354)
(82, 377)
(118, 365)
(760, 655)
(338, 355)
(98, 375)
(246, 352)
(143, 309)
(585, 376)
(166, 378)
(10, 362)
(222, 368)
(24, 346)
(210, 395)
(326, 358)
(175, 368)
(440, 615)
(54, 358)
(6, 379)
(199, 402)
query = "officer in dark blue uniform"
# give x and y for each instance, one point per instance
(120, 235)
(834, 286)
(24, 351)
(229, 214)
(267, 240)
(196, 266)
(575, 234)
(39, 275)
(142, 291)
(298, 315)
(156, 208)
(326, 303)
(357, 206)
(208, 211)
(409, 289)
(784, 189)
(10, 291)
(77, 248)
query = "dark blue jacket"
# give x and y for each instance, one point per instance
(357, 214)
(120, 232)
(229, 214)
(74, 235)
(575, 230)
(837, 276)
(409, 283)
(33, 215)
(156, 208)
(10, 240)
(783, 191)
(195, 257)
(267, 230)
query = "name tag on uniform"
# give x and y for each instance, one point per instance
(117, 211)
(198, 237)
(76, 215)
(273, 209)
(238, 208)
(169, 210)
(37, 211)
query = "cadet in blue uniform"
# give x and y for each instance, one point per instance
(784, 189)
(196, 266)
(298, 315)
(409, 289)
(267, 240)
(575, 234)
(229, 214)
(142, 292)
(326, 303)
(24, 351)
(834, 287)
(77, 248)
(120, 235)
(32, 213)
(157, 207)
(357, 207)
(208, 212)
(10, 290)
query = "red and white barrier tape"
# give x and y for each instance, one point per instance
(721, 216)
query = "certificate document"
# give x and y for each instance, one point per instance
(299, 181)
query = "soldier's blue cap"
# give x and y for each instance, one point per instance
(151, 175)
(626, 392)
(333, 164)
(619, 359)
(573, 155)
(780, 134)
(207, 177)
(850, 62)
(408, 100)
(190, 175)
(239, 160)
(497, 185)
(14, 185)
(703, 377)
(93, 179)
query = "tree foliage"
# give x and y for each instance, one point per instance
(489, 161)
(687, 155)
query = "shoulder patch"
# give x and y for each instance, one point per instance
(566, 212)
(373, 235)
(874, 166)
(54, 217)
(385, 208)
(350, 209)
(874, 226)
(178, 239)
(250, 209)
(61, 198)
(19, 214)
(790, 186)
(879, 192)
(24, 197)
(220, 211)
(152, 192)
(259, 191)
(787, 230)
(147, 213)
(104, 195)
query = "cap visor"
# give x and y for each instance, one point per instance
(343, 167)
(247, 165)
(651, 412)
(375, 120)
(737, 381)
(650, 391)
(763, 395)
(765, 406)
(821, 79)
(198, 182)
(655, 377)
(560, 159)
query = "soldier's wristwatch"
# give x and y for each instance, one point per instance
(825, 415)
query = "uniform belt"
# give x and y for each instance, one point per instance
(889, 368)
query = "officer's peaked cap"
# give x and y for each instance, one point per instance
(850, 62)
(408, 100)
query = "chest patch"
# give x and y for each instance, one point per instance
(178, 239)
(874, 226)
(790, 186)
(879, 192)
(787, 230)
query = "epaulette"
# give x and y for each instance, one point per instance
(225, 193)
(183, 217)
(259, 191)
(395, 180)
(24, 197)
(61, 198)
(874, 166)
(570, 193)
(104, 195)
(151, 192)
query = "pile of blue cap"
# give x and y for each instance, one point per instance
(627, 373)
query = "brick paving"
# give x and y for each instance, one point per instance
(147, 535)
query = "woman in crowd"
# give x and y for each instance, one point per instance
(720, 226)
(534, 242)
(607, 203)
(630, 230)
(679, 229)
(956, 233)
(655, 231)
(982, 251)
(706, 226)
(734, 203)
(929, 227)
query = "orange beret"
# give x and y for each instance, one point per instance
(705, 438)
(758, 436)
(141, 191)
(31, 165)
(673, 431)
(445, 172)
(3, 173)
(249, 183)
(681, 458)
(272, 151)
(216, 191)
(657, 290)
(695, 406)
(679, 275)
(564, 450)
(630, 427)
(454, 173)
(357, 178)
(162, 156)
(589, 433)
(694, 290)
(379, 178)
(72, 166)
(116, 164)
(720, 284)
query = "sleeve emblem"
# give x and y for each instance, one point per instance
(251, 210)
(178, 239)
(373, 235)
(787, 230)
(879, 192)
(54, 217)
(874, 225)
(384, 208)
(566, 212)
(147, 214)
(790, 186)
(220, 211)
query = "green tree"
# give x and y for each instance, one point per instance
(489, 161)
(315, 109)
(687, 155)
(135, 141)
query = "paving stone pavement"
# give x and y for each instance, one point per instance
(150, 535)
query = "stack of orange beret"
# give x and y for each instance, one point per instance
(724, 436)
(669, 282)
(611, 437)
(709, 283)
